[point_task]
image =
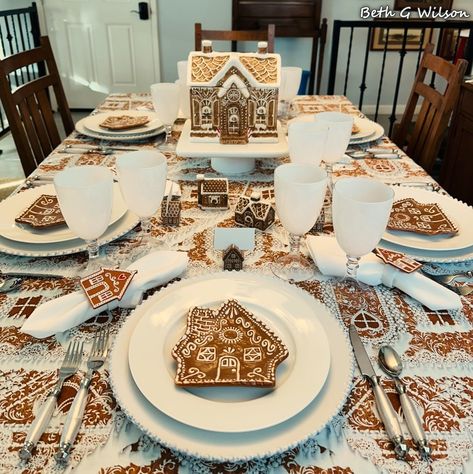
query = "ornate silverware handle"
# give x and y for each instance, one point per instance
(73, 421)
(39, 424)
(414, 423)
(389, 418)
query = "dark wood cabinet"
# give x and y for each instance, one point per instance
(294, 18)
(457, 169)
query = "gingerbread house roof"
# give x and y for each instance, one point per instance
(260, 209)
(214, 186)
(261, 70)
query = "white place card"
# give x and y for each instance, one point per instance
(242, 237)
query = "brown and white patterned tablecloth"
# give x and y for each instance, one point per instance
(437, 347)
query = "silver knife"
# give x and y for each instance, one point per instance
(385, 409)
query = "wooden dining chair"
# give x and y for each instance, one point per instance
(28, 107)
(234, 36)
(422, 140)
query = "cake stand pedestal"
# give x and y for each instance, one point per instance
(231, 159)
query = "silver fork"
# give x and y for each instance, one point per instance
(68, 368)
(96, 359)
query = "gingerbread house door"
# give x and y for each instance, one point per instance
(234, 115)
(228, 368)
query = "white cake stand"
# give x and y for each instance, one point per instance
(231, 159)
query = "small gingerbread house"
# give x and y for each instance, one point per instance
(212, 193)
(171, 211)
(254, 212)
(233, 258)
(228, 346)
(234, 97)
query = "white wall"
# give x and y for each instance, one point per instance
(176, 31)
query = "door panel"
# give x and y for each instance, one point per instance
(101, 46)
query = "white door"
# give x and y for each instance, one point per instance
(102, 46)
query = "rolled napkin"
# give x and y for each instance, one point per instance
(331, 260)
(68, 311)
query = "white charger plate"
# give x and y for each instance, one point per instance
(22, 249)
(251, 408)
(458, 212)
(14, 205)
(376, 135)
(92, 123)
(220, 446)
(367, 128)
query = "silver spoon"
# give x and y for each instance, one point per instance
(9, 284)
(391, 363)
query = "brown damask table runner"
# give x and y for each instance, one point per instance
(437, 347)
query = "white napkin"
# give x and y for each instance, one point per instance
(68, 311)
(331, 260)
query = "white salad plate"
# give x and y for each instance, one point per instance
(92, 123)
(22, 249)
(366, 126)
(13, 206)
(458, 212)
(378, 132)
(228, 446)
(253, 408)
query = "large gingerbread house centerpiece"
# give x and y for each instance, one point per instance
(234, 96)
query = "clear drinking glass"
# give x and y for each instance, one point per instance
(166, 98)
(290, 83)
(307, 141)
(340, 127)
(85, 195)
(299, 191)
(142, 178)
(361, 209)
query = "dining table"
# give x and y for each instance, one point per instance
(436, 346)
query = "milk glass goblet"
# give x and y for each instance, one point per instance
(85, 196)
(142, 178)
(361, 209)
(299, 191)
(166, 99)
(340, 127)
(290, 83)
(307, 141)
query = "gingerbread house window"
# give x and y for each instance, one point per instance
(252, 354)
(207, 354)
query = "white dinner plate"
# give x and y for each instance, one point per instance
(22, 249)
(366, 126)
(247, 445)
(458, 212)
(92, 123)
(376, 135)
(13, 206)
(118, 138)
(253, 408)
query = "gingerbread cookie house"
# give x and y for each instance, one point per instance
(254, 212)
(234, 96)
(228, 346)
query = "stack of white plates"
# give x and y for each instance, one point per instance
(369, 131)
(17, 239)
(90, 126)
(438, 248)
(232, 423)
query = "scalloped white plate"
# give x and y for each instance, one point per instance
(233, 409)
(14, 205)
(92, 123)
(458, 212)
(114, 231)
(247, 445)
